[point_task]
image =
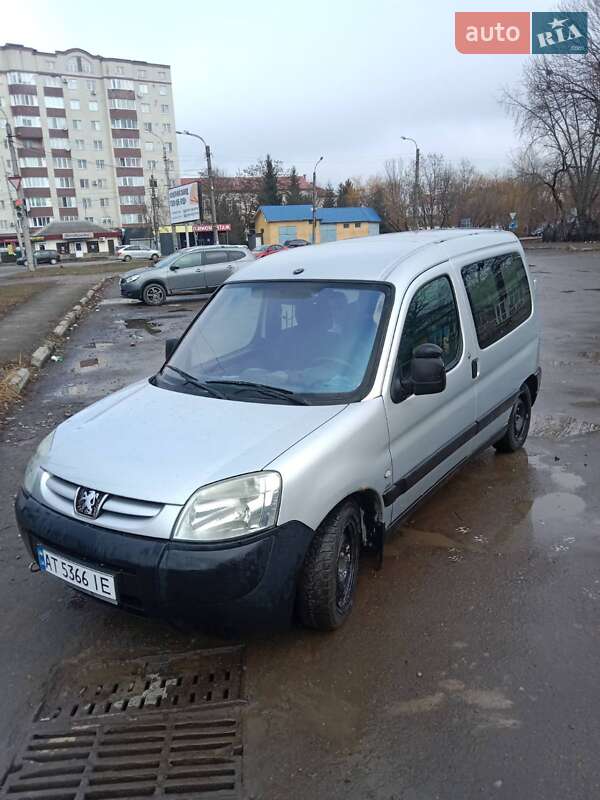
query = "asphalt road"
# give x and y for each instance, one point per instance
(469, 667)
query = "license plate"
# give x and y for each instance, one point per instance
(100, 584)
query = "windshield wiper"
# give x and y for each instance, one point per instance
(273, 391)
(195, 382)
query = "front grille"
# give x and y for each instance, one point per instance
(126, 514)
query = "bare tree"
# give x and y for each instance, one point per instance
(557, 112)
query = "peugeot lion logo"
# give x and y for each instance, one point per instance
(88, 502)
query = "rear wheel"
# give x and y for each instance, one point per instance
(518, 424)
(53, 261)
(154, 294)
(154, 258)
(126, 258)
(329, 575)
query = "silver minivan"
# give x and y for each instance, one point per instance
(189, 271)
(313, 402)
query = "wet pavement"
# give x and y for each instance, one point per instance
(468, 668)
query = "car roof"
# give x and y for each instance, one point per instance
(393, 257)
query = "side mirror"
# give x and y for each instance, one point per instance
(427, 374)
(174, 268)
(427, 370)
(170, 346)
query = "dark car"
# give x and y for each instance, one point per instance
(42, 257)
(296, 243)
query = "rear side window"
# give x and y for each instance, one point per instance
(432, 317)
(215, 256)
(499, 295)
(234, 255)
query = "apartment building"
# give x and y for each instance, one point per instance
(90, 131)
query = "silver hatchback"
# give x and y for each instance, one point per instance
(190, 271)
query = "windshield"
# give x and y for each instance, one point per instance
(308, 339)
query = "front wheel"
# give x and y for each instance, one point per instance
(330, 572)
(518, 424)
(154, 258)
(154, 294)
(53, 261)
(126, 258)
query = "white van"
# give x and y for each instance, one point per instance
(312, 403)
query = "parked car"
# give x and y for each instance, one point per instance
(296, 243)
(42, 257)
(539, 231)
(301, 417)
(188, 271)
(129, 251)
(267, 249)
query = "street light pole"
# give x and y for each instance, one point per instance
(417, 184)
(211, 185)
(20, 196)
(314, 201)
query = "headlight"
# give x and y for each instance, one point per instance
(131, 278)
(35, 462)
(235, 507)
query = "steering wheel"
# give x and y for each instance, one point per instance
(333, 360)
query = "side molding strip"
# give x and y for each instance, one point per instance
(405, 483)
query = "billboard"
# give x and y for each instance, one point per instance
(185, 203)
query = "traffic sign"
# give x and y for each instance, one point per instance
(15, 181)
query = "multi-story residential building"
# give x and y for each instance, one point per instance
(90, 132)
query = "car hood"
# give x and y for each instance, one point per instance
(142, 268)
(158, 445)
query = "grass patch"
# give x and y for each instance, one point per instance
(13, 294)
(102, 268)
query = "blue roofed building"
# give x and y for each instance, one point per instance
(278, 224)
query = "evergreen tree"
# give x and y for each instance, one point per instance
(345, 194)
(269, 191)
(294, 196)
(329, 197)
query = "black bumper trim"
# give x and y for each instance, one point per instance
(250, 584)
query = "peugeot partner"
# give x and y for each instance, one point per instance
(309, 406)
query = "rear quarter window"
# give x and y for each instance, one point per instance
(499, 296)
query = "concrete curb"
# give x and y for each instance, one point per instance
(18, 378)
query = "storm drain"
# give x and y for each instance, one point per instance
(145, 728)
(185, 755)
(188, 680)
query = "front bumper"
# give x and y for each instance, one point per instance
(247, 585)
(131, 290)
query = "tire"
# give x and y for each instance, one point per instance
(154, 294)
(126, 258)
(518, 424)
(154, 258)
(329, 575)
(53, 261)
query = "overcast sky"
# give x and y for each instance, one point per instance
(301, 79)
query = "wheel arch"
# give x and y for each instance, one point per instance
(370, 504)
(533, 384)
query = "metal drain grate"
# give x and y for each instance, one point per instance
(190, 755)
(189, 680)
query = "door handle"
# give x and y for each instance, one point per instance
(475, 368)
(198, 270)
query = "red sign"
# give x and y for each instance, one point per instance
(15, 181)
(489, 32)
(221, 227)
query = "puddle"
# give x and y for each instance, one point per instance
(138, 324)
(560, 426)
(557, 506)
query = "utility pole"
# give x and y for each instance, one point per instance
(154, 204)
(314, 202)
(211, 185)
(16, 221)
(168, 179)
(20, 204)
(416, 188)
